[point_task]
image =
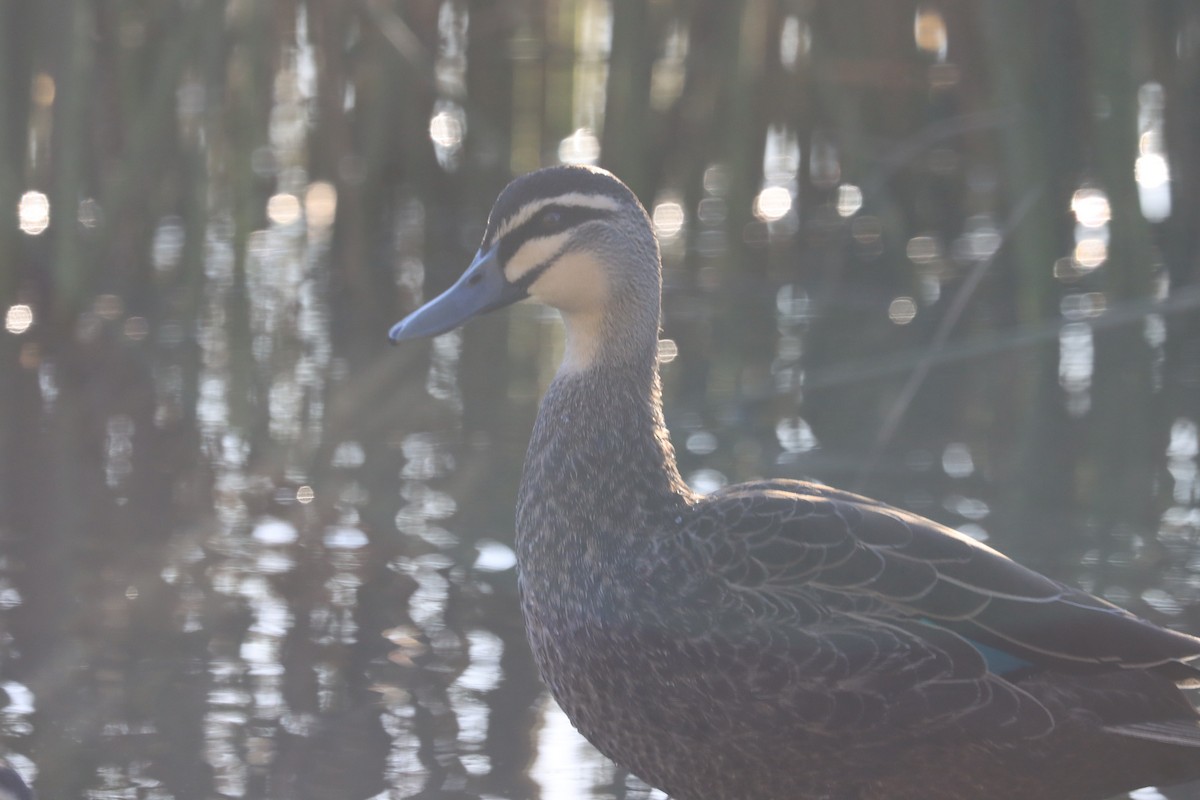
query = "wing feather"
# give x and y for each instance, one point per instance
(916, 567)
(850, 614)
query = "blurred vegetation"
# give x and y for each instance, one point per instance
(195, 356)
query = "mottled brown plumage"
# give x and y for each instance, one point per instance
(783, 640)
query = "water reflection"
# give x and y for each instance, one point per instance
(1092, 213)
(18, 318)
(33, 213)
(247, 551)
(581, 147)
(1151, 169)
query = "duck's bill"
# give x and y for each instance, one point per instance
(482, 288)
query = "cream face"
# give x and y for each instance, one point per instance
(573, 281)
(533, 254)
(583, 282)
(576, 284)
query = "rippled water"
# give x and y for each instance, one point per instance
(248, 550)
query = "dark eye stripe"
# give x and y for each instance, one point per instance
(548, 221)
(526, 280)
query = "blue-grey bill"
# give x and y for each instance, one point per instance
(481, 288)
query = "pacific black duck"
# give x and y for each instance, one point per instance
(782, 640)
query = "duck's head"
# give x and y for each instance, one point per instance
(575, 238)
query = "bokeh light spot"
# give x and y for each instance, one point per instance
(668, 219)
(43, 90)
(957, 461)
(108, 306)
(581, 147)
(1151, 171)
(18, 319)
(902, 310)
(772, 203)
(320, 204)
(446, 129)
(795, 40)
(1091, 208)
(89, 213)
(922, 249)
(136, 328)
(1091, 253)
(929, 32)
(33, 213)
(283, 208)
(849, 200)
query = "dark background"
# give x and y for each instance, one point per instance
(248, 550)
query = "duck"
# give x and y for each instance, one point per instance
(782, 639)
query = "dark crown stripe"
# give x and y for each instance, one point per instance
(553, 182)
(536, 227)
(526, 280)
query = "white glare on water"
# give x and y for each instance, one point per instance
(446, 129)
(1091, 208)
(43, 90)
(1153, 175)
(33, 213)
(849, 200)
(922, 249)
(1091, 253)
(1151, 170)
(795, 40)
(564, 760)
(902, 310)
(773, 203)
(283, 208)
(18, 319)
(320, 204)
(668, 219)
(929, 32)
(957, 461)
(581, 147)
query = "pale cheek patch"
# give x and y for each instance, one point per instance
(577, 282)
(533, 254)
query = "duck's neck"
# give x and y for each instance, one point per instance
(600, 460)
